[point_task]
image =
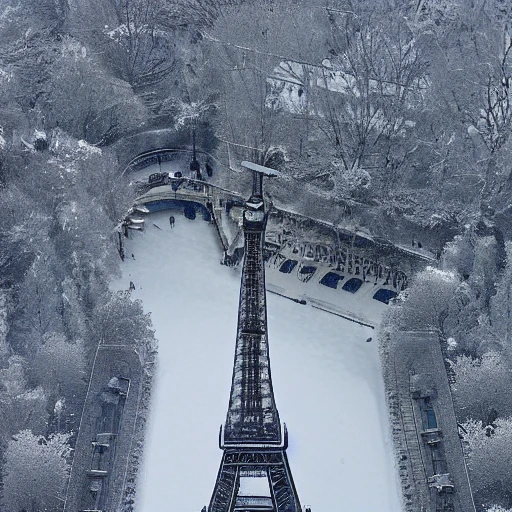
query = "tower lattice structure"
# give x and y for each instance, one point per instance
(253, 439)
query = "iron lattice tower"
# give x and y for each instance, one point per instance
(253, 439)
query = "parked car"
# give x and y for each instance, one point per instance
(288, 266)
(352, 285)
(158, 178)
(331, 279)
(384, 295)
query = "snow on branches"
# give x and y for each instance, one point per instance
(42, 461)
(489, 456)
(186, 114)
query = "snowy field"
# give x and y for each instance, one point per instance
(327, 381)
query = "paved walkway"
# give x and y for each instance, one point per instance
(431, 461)
(106, 430)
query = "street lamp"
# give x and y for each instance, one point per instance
(194, 165)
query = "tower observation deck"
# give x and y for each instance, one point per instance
(253, 439)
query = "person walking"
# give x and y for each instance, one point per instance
(171, 221)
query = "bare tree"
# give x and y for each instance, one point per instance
(245, 48)
(136, 48)
(367, 90)
(471, 78)
(195, 13)
(86, 101)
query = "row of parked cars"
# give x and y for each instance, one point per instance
(332, 279)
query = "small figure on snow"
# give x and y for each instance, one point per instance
(368, 340)
(132, 286)
(133, 257)
(419, 245)
(171, 221)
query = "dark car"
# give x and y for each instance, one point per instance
(306, 273)
(288, 266)
(331, 279)
(352, 285)
(384, 295)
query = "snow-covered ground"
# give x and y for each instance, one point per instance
(359, 306)
(327, 381)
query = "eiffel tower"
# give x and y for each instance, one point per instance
(254, 474)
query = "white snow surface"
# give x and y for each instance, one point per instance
(254, 486)
(326, 377)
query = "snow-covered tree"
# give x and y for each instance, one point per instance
(136, 47)
(350, 182)
(431, 15)
(470, 74)
(21, 407)
(368, 88)
(480, 386)
(485, 268)
(122, 321)
(29, 35)
(26, 227)
(498, 508)
(459, 254)
(38, 310)
(246, 46)
(35, 472)
(501, 305)
(87, 101)
(197, 13)
(477, 317)
(425, 304)
(59, 364)
(186, 114)
(489, 458)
